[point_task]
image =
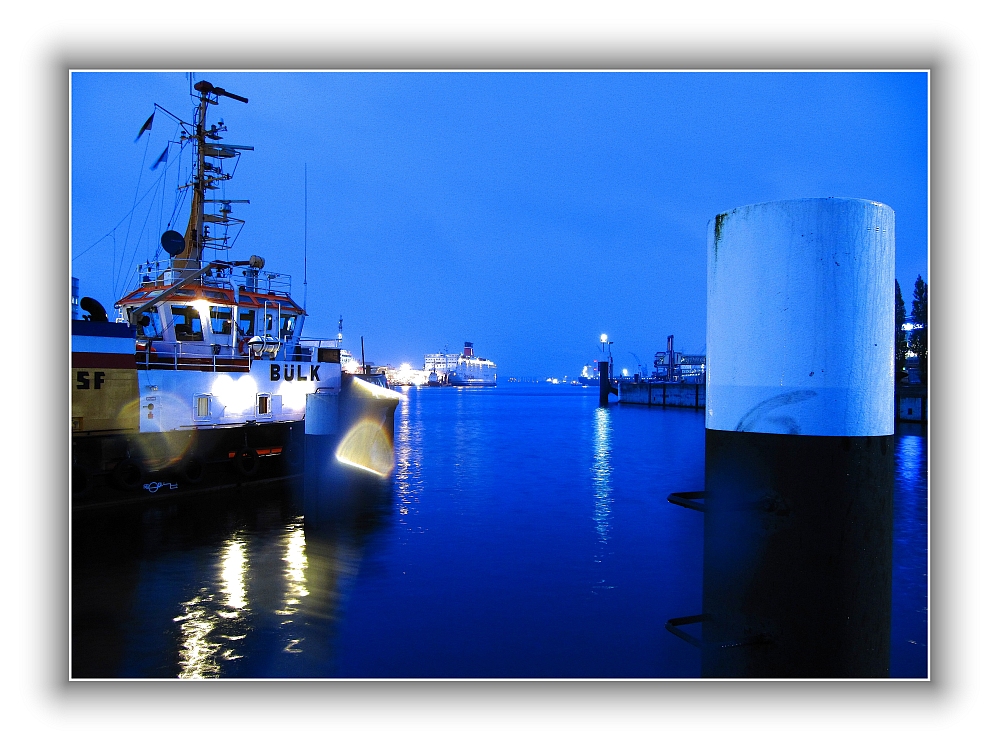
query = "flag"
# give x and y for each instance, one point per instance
(148, 125)
(162, 159)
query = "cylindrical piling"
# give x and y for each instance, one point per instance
(322, 477)
(349, 453)
(799, 447)
(607, 386)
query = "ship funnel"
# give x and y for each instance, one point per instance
(468, 349)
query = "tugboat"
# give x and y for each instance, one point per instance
(204, 372)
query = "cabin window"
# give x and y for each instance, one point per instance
(287, 326)
(187, 323)
(222, 319)
(246, 322)
(202, 406)
(263, 403)
(148, 326)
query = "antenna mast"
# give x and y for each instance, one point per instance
(206, 175)
(305, 235)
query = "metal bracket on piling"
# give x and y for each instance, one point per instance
(673, 625)
(688, 500)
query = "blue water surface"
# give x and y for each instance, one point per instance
(525, 533)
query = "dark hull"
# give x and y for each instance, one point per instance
(122, 468)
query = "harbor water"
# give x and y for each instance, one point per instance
(525, 533)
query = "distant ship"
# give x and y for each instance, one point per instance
(435, 380)
(472, 370)
(587, 377)
(463, 369)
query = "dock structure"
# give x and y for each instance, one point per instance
(653, 393)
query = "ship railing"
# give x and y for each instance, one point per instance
(190, 355)
(164, 273)
(307, 349)
(265, 282)
(197, 355)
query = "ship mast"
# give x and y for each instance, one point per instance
(205, 175)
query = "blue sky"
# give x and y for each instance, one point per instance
(526, 212)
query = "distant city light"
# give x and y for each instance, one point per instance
(912, 326)
(624, 372)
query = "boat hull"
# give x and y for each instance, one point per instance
(128, 466)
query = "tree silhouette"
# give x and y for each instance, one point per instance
(900, 333)
(918, 316)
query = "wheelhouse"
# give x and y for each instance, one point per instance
(226, 313)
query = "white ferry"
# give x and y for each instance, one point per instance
(471, 370)
(205, 364)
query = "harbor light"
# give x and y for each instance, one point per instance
(624, 372)
(604, 338)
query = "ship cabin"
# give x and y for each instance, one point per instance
(218, 319)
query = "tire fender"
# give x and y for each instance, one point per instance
(245, 461)
(127, 475)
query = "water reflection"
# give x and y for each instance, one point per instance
(409, 447)
(234, 565)
(909, 585)
(510, 588)
(199, 651)
(296, 564)
(601, 473)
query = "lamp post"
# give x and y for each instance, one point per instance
(605, 369)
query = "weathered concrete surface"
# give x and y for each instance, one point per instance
(800, 328)
(688, 395)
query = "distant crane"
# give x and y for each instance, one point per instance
(640, 367)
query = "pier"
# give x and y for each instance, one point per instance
(652, 393)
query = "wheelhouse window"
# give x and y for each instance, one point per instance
(187, 323)
(148, 326)
(287, 325)
(222, 319)
(246, 322)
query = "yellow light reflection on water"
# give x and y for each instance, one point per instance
(203, 625)
(197, 651)
(296, 563)
(234, 565)
(367, 447)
